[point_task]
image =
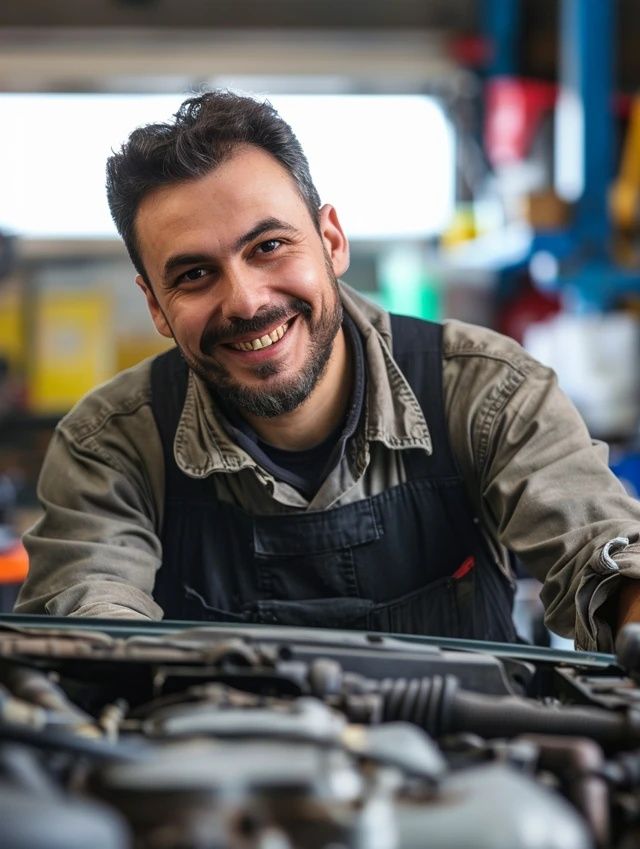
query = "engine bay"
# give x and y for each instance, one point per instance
(151, 737)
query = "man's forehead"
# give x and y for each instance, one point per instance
(247, 176)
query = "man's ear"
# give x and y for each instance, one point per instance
(162, 326)
(334, 239)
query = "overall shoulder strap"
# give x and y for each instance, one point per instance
(417, 349)
(418, 345)
(169, 377)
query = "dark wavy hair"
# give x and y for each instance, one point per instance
(205, 131)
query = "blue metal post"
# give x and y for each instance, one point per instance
(587, 32)
(501, 26)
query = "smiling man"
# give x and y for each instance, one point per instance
(251, 300)
(301, 456)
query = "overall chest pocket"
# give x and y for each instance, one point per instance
(311, 555)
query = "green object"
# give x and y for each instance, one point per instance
(406, 284)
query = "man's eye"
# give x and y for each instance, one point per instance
(194, 274)
(269, 246)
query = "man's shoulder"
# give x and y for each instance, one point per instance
(123, 396)
(461, 340)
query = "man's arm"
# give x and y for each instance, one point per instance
(542, 485)
(96, 550)
(561, 507)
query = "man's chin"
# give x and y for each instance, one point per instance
(265, 402)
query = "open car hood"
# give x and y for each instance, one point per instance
(170, 735)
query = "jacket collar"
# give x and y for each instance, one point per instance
(393, 414)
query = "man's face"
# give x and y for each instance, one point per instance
(243, 281)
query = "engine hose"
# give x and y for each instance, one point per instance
(49, 739)
(36, 688)
(439, 706)
(424, 701)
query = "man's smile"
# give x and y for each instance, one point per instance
(249, 336)
(264, 341)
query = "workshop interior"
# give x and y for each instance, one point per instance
(484, 156)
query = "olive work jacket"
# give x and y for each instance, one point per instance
(538, 482)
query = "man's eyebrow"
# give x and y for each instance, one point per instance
(264, 226)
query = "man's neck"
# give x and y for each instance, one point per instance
(320, 414)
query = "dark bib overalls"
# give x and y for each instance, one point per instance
(409, 560)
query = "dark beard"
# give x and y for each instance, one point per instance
(287, 395)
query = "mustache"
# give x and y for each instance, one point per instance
(227, 332)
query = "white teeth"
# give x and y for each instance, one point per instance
(263, 341)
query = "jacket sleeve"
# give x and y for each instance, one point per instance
(546, 491)
(95, 551)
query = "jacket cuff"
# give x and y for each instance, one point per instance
(595, 615)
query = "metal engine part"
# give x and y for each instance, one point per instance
(202, 740)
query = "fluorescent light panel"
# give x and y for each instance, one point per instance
(385, 162)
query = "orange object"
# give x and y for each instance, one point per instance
(14, 564)
(624, 197)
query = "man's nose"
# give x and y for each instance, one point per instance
(243, 294)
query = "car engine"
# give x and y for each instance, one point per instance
(119, 736)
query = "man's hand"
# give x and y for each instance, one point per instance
(628, 602)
